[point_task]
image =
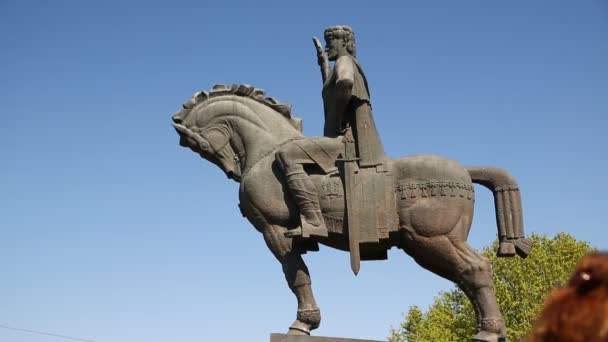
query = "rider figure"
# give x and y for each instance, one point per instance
(348, 116)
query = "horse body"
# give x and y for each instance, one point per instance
(239, 129)
(429, 214)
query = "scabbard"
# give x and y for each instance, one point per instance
(350, 177)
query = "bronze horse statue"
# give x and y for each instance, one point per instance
(239, 129)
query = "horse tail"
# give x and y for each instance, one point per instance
(508, 207)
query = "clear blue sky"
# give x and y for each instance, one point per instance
(112, 232)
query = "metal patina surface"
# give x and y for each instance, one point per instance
(340, 190)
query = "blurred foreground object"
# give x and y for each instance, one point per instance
(578, 312)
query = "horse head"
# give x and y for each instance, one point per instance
(230, 126)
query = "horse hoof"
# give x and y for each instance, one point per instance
(487, 336)
(299, 328)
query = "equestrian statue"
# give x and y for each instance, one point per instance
(341, 190)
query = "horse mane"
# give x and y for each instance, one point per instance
(244, 90)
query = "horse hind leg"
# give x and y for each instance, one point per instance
(476, 282)
(298, 279)
(456, 261)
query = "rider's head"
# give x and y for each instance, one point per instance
(339, 41)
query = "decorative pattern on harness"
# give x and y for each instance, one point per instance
(334, 223)
(331, 188)
(411, 190)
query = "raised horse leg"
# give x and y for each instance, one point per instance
(450, 257)
(297, 276)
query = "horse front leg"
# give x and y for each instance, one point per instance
(296, 273)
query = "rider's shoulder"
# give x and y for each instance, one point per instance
(345, 61)
(345, 67)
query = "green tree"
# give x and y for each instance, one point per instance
(521, 286)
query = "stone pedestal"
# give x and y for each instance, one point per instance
(294, 338)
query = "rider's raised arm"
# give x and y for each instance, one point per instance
(345, 79)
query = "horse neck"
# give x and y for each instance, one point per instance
(257, 129)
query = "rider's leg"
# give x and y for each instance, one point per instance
(303, 191)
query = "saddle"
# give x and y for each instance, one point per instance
(358, 202)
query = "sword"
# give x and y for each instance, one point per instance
(352, 212)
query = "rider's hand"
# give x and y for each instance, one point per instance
(321, 55)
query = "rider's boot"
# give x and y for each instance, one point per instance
(304, 193)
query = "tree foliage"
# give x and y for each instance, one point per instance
(521, 286)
